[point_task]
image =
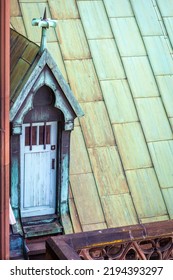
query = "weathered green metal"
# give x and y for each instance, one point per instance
(118, 59)
(143, 184)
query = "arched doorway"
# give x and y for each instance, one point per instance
(39, 150)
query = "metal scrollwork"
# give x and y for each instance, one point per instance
(151, 249)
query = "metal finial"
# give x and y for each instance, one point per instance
(44, 16)
(44, 23)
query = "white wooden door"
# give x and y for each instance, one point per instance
(38, 168)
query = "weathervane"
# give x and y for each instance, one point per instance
(44, 23)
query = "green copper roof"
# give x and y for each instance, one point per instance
(116, 56)
(22, 55)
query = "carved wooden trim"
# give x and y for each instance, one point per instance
(35, 81)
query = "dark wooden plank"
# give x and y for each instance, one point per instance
(30, 52)
(42, 229)
(38, 218)
(36, 248)
(62, 252)
(17, 47)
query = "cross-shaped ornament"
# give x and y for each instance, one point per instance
(44, 23)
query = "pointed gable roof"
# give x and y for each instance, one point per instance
(26, 67)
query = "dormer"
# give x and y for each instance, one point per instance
(42, 114)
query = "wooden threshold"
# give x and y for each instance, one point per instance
(42, 229)
(40, 226)
(38, 218)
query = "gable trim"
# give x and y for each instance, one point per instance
(44, 60)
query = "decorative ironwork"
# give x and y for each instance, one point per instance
(152, 241)
(156, 249)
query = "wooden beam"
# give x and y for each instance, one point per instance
(4, 126)
(60, 251)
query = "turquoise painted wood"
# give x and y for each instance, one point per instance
(65, 157)
(15, 175)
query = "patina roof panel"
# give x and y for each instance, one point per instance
(91, 227)
(118, 98)
(108, 171)
(165, 84)
(74, 216)
(94, 19)
(147, 18)
(87, 199)
(171, 122)
(168, 194)
(162, 156)
(63, 9)
(165, 7)
(14, 8)
(108, 63)
(141, 79)
(119, 210)
(95, 125)
(79, 162)
(33, 1)
(73, 42)
(83, 80)
(153, 118)
(155, 219)
(159, 55)
(132, 147)
(126, 32)
(169, 27)
(118, 8)
(17, 24)
(18, 74)
(30, 53)
(18, 46)
(143, 184)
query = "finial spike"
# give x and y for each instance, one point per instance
(44, 15)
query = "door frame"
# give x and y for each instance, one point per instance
(61, 111)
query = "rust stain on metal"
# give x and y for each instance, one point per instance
(104, 243)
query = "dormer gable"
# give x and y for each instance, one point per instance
(46, 73)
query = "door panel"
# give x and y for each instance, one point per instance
(36, 179)
(38, 169)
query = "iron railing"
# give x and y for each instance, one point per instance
(152, 241)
